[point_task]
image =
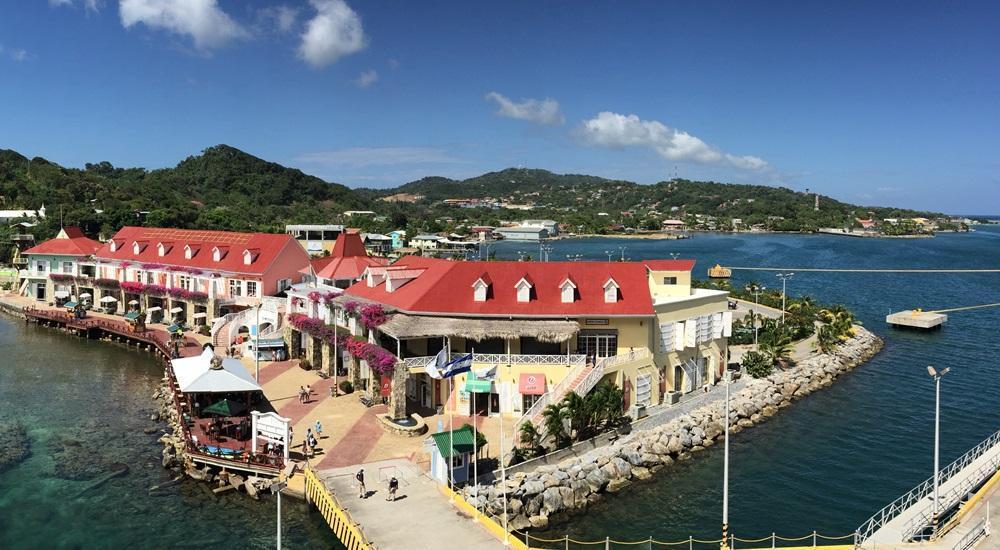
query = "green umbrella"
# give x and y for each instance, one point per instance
(225, 408)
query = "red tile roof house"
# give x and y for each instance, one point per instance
(200, 276)
(547, 327)
(57, 265)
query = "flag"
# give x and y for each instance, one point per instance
(434, 367)
(487, 374)
(458, 366)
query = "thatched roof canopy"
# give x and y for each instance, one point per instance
(415, 326)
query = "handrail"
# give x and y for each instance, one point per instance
(337, 517)
(552, 396)
(573, 360)
(979, 530)
(921, 491)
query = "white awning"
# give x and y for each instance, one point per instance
(108, 299)
(176, 309)
(61, 294)
(133, 302)
(199, 315)
(197, 375)
(152, 309)
(86, 295)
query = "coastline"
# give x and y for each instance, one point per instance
(553, 493)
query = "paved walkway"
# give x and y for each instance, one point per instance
(421, 517)
(662, 414)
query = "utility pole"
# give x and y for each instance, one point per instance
(936, 508)
(784, 279)
(725, 472)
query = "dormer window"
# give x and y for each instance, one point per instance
(190, 251)
(481, 288)
(138, 246)
(249, 255)
(218, 253)
(523, 288)
(162, 249)
(113, 245)
(567, 290)
(611, 291)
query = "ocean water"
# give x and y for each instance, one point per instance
(85, 405)
(829, 461)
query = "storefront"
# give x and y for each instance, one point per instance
(531, 386)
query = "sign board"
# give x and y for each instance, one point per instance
(596, 322)
(314, 246)
(271, 428)
(386, 385)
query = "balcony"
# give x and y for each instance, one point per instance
(572, 360)
(32, 274)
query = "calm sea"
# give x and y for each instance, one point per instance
(835, 458)
(85, 405)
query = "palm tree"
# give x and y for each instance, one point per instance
(529, 436)
(778, 349)
(552, 420)
(826, 338)
(577, 410)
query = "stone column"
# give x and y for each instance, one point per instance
(328, 359)
(397, 399)
(354, 371)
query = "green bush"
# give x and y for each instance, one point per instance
(346, 387)
(757, 365)
(304, 364)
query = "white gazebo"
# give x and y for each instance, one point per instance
(208, 373)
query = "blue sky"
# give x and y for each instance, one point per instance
(877, 103)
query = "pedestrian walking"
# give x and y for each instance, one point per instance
(308, 393)
(360, 476)
(302, 394)
(319, 429)
(393, 485)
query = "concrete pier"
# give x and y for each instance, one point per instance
(915, 318)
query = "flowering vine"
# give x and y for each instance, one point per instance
(372, 316)
(107, 284)
(378, 358)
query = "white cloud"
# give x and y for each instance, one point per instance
(283, 17)
(360, 157)
(202, 20)
(60, 3)
(333, 33)
(609, 129)
(15, 54)
(366, 79)
(88, 5)
(545, 111)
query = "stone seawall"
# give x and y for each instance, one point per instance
(554, 492)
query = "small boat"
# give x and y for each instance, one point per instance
(719, 272)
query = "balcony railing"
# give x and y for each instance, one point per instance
(572, 360)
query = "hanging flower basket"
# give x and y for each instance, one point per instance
(107, 284)
(133, 287)
(155, 290)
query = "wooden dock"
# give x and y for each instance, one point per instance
(915, 318)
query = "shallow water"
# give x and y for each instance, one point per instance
(94, 400)
(830, 461)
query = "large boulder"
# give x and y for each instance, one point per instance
(597, 480)
(552, 500)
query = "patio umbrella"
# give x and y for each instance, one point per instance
(224, 408)
(133, 302)
(108, 299)
(85, 295)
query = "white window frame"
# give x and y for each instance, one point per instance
(235, 288)
(255, 293)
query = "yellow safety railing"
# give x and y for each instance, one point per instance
(815, 540)
(970, 504)
(486, 521)
(336, 516)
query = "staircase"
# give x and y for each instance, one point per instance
(580, 380)
(224, 329)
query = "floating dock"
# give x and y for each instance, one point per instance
(915, 318)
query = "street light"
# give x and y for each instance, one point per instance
(276, 488)
(937, 376)
(622, 248)
(725, 468)
(609, 253)
(784, 279)
(756, 290)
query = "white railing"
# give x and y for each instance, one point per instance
(978, 531)
(922, 491)
(552, 396)
(627, 357)
(573, 360)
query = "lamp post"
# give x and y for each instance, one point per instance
(276, 488)
(756, 290)
(784, 280)
(609, 253)
(725, 471)
(622, 248)
(936, 507)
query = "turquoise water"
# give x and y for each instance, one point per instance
(833, 459)
(85, 405)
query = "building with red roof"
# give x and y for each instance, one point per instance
(539, 330)
(347, 261)
(54, 264)
(195, 275)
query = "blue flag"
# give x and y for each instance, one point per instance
(457, 366)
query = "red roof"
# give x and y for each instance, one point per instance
(444, 287)
(75, 243)
(264, 247)
(348, 260)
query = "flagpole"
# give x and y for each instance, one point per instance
(451, 419)
(503, 484)
(475, 440)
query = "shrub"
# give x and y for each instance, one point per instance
(758, 365)
(346, 387)
(305, 364)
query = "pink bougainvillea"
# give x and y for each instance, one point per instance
(151, 266)
(133, 287)
(61, 278)
(184, 294)
(107, 283)
(379, 359)
(317, 296)
(372, 316)
(351, 308)
(155, 290)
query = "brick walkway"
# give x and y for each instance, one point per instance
(359, 441)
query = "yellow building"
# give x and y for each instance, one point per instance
(538, 330)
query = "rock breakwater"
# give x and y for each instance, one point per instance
(552, 493)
